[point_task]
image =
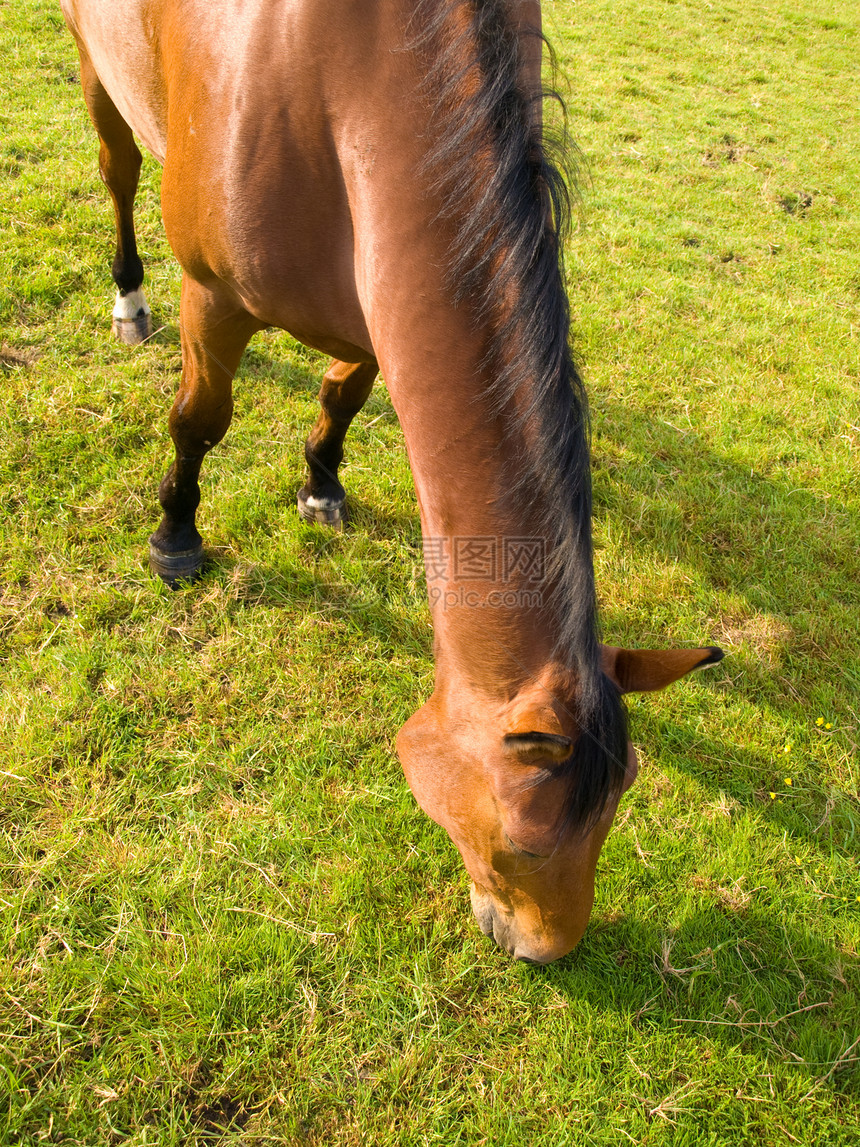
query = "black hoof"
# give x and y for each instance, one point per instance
(134, 331)
(175, 570)
(328, 511)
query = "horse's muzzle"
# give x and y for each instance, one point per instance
(504, 930)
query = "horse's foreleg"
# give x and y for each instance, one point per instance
(345, 389)
(119, 165)
(215, 330)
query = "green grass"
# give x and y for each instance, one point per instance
(224, 920)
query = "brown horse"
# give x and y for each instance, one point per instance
(373, 178)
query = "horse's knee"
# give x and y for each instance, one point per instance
(198, 421)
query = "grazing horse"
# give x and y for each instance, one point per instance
(374, 179)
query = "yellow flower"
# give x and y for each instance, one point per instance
(773, 796)
(828, 726)
(820, 722)
(787, 748)
(788, 781)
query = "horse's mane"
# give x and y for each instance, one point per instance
(504, 194)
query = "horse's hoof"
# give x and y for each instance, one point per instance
(329, 511)
(134, 331)
(175, 570)
(132, 318)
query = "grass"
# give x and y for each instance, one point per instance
(224, 919)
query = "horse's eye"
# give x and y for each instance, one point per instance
(515, 848)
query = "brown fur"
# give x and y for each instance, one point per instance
(299, 190)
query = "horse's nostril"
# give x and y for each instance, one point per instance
(528, 960)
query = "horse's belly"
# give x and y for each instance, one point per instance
(268, 216)
(319, 308)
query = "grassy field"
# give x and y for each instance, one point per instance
(224, 920)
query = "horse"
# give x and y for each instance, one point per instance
(376, 179)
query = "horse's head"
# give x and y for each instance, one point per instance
(500, 781)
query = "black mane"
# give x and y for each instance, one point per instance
(503, 191)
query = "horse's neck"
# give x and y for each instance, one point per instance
(491, 610)
(485, 546)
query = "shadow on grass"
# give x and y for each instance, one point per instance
(782, 550)
(366, 604)
(828, 824)
(741, 976)
(781, 547)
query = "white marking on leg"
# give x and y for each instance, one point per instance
(131, 305)
(315, 503)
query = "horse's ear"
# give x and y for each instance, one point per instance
(644, 670)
